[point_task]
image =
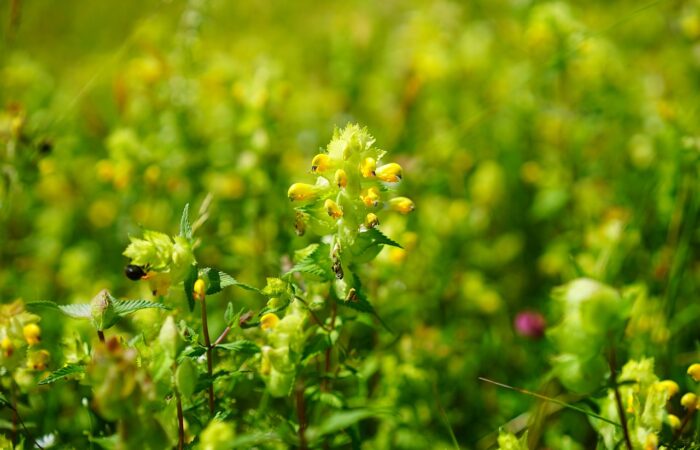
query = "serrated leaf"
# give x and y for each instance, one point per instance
(218, 280)
(301, 254)
(188, 285)
(241, 346)
(192, 352)
(185, 227)
(317, 263)
(380, 238)
(360, 303)
(63, 372)
(124, 307)
(76, 311)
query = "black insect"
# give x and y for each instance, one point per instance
(134, 272)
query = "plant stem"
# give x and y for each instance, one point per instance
(222, 336)
(301, 415)
(325, 383)
(207, 342)
(618, 398)
(680, 429)
(101, 335)
(180, 422)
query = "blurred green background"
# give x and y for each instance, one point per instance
(540, 141)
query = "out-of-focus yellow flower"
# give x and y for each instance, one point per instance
(371, 197)
(340, 178)
(38, 360)
(689, 401)
(7, 347)
(269, 321)
(404, 205)
(371, 220)
(391, 173)
(301, 191)
(694, 371)
(668, 385)
(333, 209)
(367, 167)
(674, 422)
(200, 289)
(652, 442)
(321, 163)
(32, 333)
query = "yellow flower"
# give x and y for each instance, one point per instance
(340, 178)
(370, 197)
(674, 422)
(32, 333)
(38, 360)
(320, 163)
(689, 401)
(200, 289)
(391, 173)
(301, 191)
(367, 167)
(371, 220)
(269, 321)
(404, 205)
(7, 347)
(668, 385)
(333, 209)
(694, 371)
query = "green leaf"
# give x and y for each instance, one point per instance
(368, 244)
(76, 311)
(63, 372)
(241, 346)
(218, 280)
(315, 345)
(192, 352)
(186, 377)
(185, 227)
(360, 303)
(317, 263)
(229, 315)
(109, 442)
(252, 439)
(380, 238)
(122, 308)
(341, 420)
(188, 285)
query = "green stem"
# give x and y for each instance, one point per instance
(207, 342)
(618, 398)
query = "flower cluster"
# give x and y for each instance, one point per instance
(352, 186)
(20, 336)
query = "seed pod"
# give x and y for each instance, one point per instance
(371, 220)
(404, 205)
(301, 191)
(200, 289)
(371, 197)
(338, 269)
(340, 178)
(300, 223)
(269, 321)
(367, 167)
(391, 173)
(320, 163)
(333, 209)
(32, 333)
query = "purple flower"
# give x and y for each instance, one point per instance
(530, 324)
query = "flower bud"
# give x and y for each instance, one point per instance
(371, 220)
(371, 197)
(391, 173)
(668, 385)
(32, 333)
(301, 191)
(333, 209)
(694, 371)
(269, 321)
(367, 167)
(530, 324)
(320, 163)
(200, 289)
(674, 422)
(340, 178)
(404, 205)
(689, 401)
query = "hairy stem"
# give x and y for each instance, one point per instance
(325, 383)
(180, 422)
